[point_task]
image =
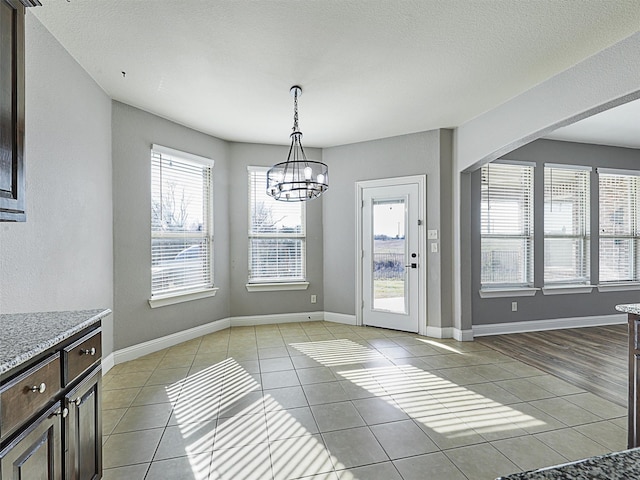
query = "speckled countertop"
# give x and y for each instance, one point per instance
(629, 308)
(26, 335)
(613, 466)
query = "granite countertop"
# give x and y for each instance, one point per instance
(613, 466)
(26, 335)
(629, 308)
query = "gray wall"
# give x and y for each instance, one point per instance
(262, 303)
(421, 153)
(61, 258)
(87, 242)
(540, 307)
(134, 131)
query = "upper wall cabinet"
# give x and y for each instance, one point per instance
(12, 204)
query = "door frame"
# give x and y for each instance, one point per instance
(421, 180)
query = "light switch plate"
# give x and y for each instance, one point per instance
(434, 247)
(432, 234)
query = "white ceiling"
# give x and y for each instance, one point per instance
(368, 68)
(618, 126)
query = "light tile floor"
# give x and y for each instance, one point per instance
(321, 400)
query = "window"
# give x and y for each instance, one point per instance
(276, 234)
(181, 223)
(619, 226)
(507, 225)
(566, 224)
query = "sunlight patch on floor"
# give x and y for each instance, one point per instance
(333, 353)
(449, 348)
(223, 407)
(437, 403)
(256, 432)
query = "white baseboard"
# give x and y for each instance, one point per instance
(463, 335)
(552, 324)
(145, 348)
(276, 318)
(450, 332)
(107, 363)
(340, 318)
(439, 332)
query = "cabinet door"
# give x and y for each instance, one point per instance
(83, 450)
(12, 205)
(35, 454)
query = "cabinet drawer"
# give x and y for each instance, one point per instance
(82, 355)
(23, 396)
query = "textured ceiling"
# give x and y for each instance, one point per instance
(618, 126)
(368, 68)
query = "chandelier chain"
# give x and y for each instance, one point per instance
(295, 110)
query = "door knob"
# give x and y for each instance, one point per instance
(411, 265)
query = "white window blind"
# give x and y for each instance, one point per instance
(277, 234)
(566, 225)
(619, 228)
(507, 225)
(181, 223)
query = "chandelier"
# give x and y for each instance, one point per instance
(297, 179)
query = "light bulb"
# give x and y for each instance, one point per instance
(320, 178)
(307, 173)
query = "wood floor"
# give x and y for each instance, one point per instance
(592, 358)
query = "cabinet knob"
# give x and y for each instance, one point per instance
(90, 351)
(39, 388)
(64, 412)
(77, 402)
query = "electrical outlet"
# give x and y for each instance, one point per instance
(314, 298)
(514, 306)
(432, 234)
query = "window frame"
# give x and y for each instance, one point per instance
(255, 284)
(511, 289)
(572, 285)
(634, 237)
(164, 297)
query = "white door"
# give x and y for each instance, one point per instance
(391, 251)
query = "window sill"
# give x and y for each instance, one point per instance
(508, 292)
(618, 287)
(567, 289)
(276, 287)
(171, 299)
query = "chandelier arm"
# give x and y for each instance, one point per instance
(290, 151)
(304, 155)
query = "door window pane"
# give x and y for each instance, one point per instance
(389, 255)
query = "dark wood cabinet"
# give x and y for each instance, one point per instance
(12, 181)
(634, 381)
(36, 453)
(50, 415)
(83, 439)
